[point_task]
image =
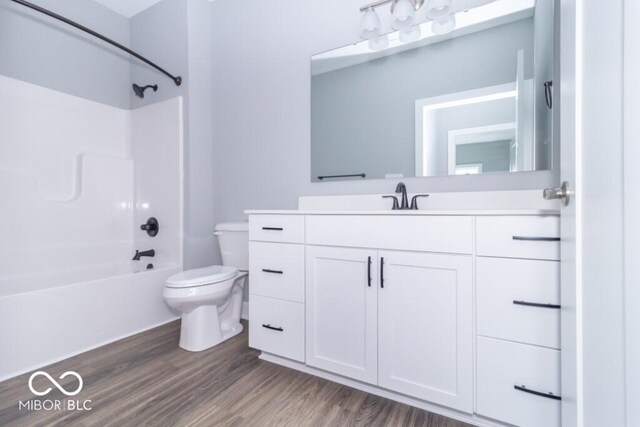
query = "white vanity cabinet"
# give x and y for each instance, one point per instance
(518, 319)
(446, 312)
(342, 312)
(425, 336)
(400, 320)
(276, 293)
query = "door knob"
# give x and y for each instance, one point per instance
(561, 193)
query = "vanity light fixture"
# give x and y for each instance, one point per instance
(443, 25)
(370, 24)
(379, 43)
(403, 12)
(411, 34)
(438, 8)
(402, 15)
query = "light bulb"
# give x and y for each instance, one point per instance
(438, 8)
(411, 34)
(379, 43)
(370, 24)
(444, 25)
(403, 13)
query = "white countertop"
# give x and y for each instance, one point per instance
(470, 212)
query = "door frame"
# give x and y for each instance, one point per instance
(632, 208)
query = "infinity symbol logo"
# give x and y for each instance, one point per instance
(55, 383)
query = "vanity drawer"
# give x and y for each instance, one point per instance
(277, 327)
(452, 234)
(502, 365)
(534, 237)
(277, 270)
(277, 228)
(507, 294)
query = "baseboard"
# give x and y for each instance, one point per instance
(430, 407)
(245, 310)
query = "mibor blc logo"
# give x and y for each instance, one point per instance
(55, 383)
(55, 405)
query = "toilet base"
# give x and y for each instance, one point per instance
(200, 329)
(209, 325)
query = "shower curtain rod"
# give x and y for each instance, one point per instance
(176, 79)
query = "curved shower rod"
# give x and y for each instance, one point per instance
(176, 79)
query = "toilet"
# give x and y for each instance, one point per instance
(210, 299)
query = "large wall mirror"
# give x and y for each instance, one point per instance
(476, 100)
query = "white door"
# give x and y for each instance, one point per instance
(425, 304)
(592, 159)
(342, 310)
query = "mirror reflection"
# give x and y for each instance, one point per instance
(476, 100)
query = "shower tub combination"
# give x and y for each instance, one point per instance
(80, 178)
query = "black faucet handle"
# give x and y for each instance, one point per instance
(396, 206)
(414, 201)
(151, 227)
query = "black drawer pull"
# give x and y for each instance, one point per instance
(382, 272)
(537, 304)
(273, 228)
(273, 328)
(537, 393)
(536, 239)
(369, 271)
(266, 270)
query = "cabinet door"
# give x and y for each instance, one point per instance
(341, 317)
(425, 327)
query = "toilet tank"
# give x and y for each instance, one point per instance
(233, 238)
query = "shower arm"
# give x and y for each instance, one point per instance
(176, 79)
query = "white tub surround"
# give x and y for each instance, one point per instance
(80, 178)
(451, 311)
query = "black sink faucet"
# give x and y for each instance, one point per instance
(402, 189)
(149, 253)
(404, 203)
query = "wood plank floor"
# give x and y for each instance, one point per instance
(148, 380)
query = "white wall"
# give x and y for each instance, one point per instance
(601, 196)
(261, 111)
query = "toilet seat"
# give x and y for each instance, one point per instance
(201, 277)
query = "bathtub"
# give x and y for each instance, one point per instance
(50, 317)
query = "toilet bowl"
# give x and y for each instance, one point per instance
(210, 299)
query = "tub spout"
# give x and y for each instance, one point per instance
(138, 255)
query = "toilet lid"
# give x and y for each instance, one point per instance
(201, 276)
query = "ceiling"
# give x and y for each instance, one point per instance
(128, 8)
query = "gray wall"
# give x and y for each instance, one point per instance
(160, 34)
(494, 156)
(261, 119)
(40, 50)
(177, 35)
(363, 116)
